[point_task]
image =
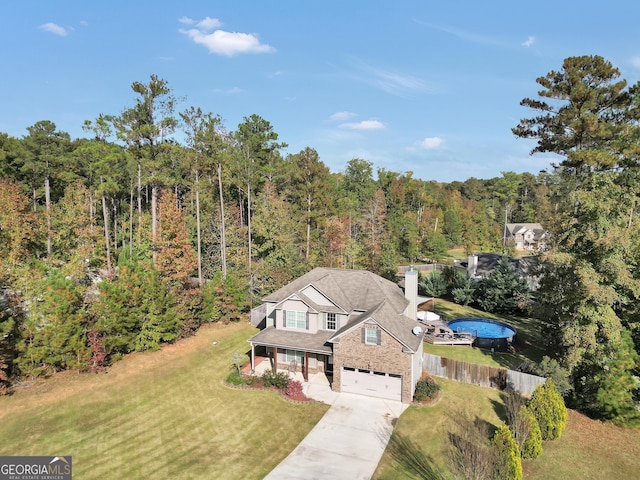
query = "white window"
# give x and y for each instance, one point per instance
(296, 320)
(372, 336)
(331, 321)
(294, 356)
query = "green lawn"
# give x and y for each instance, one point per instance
(166, 414)
(159, 414)
(588, 449)
(528, 347)
(428, 426)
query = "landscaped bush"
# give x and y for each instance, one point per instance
(294, 388)
(532, 445)
(236, 378)
(526, 432)
(279, 380)
(547, 406)
(508, 464)
(426, 388)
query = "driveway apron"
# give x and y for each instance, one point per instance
(347, 442)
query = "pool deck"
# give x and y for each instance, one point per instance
(443, 339)
(438, 333)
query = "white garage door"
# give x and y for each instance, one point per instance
(374, 384)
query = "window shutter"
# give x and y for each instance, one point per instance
(363, 332)
(284, 318)
(378, 337)
(307, 321)
(325, 321)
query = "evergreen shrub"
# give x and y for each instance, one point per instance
(426, 388)
(548, 407)
(508, 464)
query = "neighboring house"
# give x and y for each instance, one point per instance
(480, 265)
(352, 325)
(526, 236)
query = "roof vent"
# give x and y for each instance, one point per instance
(417, 330)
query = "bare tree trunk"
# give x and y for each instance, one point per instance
(154, 221)
(249, 226)
(105, 219)
(115, 222)
(308, 226)
(223, 237)
(198, 228)
(47, 196)
(131, 222)
(139, 202)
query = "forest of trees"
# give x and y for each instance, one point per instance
(163, 218)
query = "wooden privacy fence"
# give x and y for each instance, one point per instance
(481, 375)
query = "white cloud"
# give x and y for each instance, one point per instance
(391, 82)
(635, 62)
(364, 125)
(84, 23)
(53, 28)
(221, 42)
(431, 143)
(342, 116)
(465, 34)
(530, 41)
(209, 24)
(229, 91)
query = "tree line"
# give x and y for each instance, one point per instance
(163, 218)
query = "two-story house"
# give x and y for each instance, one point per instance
(353, 325)
(526, 236)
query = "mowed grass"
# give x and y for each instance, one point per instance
(588, 449)
(162, 414)
(428, 426)
(529, 342)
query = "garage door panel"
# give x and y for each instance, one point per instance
(368, 383)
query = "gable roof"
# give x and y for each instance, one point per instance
(520, 228)
(395, 324)
(349, 289)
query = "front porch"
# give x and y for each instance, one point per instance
(292, 351)
(316, 386)
(263, 363)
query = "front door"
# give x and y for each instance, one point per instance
(325, 364)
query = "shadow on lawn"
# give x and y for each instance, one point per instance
(411, 459)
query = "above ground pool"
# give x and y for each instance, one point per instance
(488, 333)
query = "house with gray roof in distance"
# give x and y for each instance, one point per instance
(356, 327)
(480, 265)
(526, 236)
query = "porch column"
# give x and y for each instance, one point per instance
(275, 360)
(305, 370)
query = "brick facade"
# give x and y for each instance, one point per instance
(387, 357)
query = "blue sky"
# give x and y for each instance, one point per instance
(428, 87)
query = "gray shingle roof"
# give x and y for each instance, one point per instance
(396, 324)
(279, 337)
(379, 299)
(350, 289)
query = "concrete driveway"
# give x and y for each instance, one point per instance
(347, 442)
